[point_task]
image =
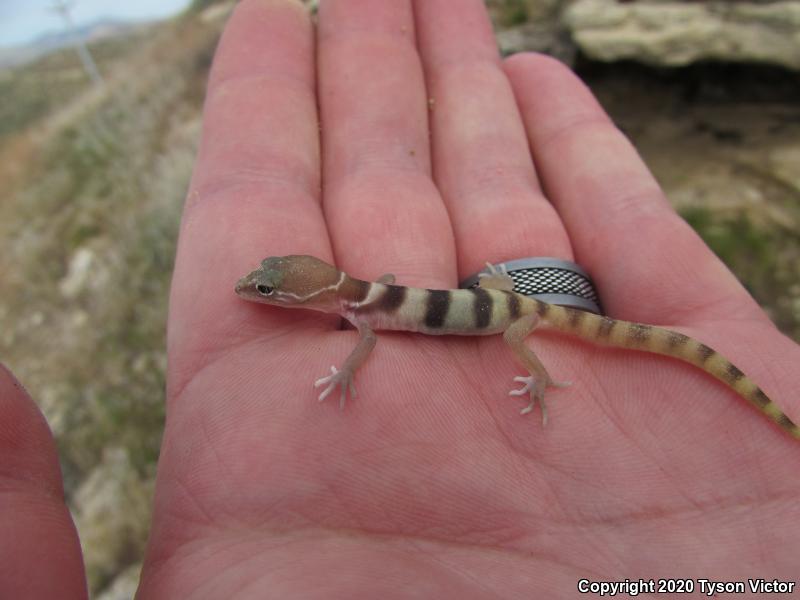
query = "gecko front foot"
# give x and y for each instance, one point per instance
(343, 378)
(536, 391)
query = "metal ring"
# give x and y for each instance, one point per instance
(550, 280)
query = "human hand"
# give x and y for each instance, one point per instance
(436, 157)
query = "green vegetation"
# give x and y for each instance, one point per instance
(509, 13)
(201, 5)
(764, 259)
(734, 239)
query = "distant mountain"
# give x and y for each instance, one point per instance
(103, 28)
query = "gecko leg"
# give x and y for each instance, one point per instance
(496, 279)
(344, 377)
(539, 380)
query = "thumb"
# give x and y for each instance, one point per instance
(40, 556)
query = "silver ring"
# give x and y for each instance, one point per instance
(550, 280)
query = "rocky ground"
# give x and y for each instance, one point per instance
(724, 142)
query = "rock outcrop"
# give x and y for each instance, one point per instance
(679, 33)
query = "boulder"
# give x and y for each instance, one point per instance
(679, 33)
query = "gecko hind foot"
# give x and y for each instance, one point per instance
(536, 392)
(343, 379)
(496, 278)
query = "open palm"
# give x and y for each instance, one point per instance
(434, 157)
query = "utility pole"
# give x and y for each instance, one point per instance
(62, 7)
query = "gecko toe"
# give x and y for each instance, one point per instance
(342, 379)
(528, 381)
(536, 391)
(325, 393)
(327, 378)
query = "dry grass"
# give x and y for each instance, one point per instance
(88, 223)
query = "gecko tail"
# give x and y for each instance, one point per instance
(649, 338)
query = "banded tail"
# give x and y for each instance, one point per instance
(649, 338)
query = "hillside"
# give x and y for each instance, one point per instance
(48, 43)
(91, 195)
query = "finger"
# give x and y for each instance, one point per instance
(645, 259)
(383, 212)
(254, 192)
(40, 556)
(480, 152)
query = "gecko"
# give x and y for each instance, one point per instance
(492, 308)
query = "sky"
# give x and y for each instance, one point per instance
(23, 20)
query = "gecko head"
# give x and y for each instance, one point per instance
(302, 281)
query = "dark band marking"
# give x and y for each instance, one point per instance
(513, 306)
(575, 317)
(542, 308)
(704, 352)
(606, 325)
(389, 301)
(436, 306)
(676, 339)
(732, 373)
(392, 298)
(354, 290)
(482, 307)
(785, 422)
(639, 333)
(760, 398)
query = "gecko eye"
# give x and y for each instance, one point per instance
(264, 290)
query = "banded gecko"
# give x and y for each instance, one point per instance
(491, 308)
